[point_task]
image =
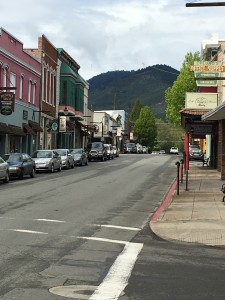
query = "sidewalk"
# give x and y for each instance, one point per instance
(196, 215)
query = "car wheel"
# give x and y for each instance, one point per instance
(6, 180)
(32, 174)
(21, 175)
(52, 169)
(60, 168)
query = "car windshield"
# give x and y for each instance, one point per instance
(15, 158)
(76, 151)
(95, 146)
(61, 152)
(42, 154)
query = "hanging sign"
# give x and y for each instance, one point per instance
(7, 103)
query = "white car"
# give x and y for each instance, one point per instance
(4, 171)
(174, 150)
(109, 150)
(67, 158)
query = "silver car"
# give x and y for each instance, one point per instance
(47, 160)
(79, 156)
(4, 171)
(67, 158)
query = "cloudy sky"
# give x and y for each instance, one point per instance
(108, 35)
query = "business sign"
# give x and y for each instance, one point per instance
(201, 70)
(201, 100)
(7, 103)
(62, 124)
(207, 66)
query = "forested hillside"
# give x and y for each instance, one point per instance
(120, 89)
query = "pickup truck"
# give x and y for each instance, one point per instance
(174, 150)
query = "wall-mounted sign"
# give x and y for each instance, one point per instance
(201, 100)
(62, 124)
(207, 66)
(201, 70)
(7, 103)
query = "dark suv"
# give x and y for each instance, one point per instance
(96, 151)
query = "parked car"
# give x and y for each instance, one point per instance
(79, 156)
(155, 152)
(4, 170)
(115, 151)
(47, 160)
(174, 150)
(96, 151)
(139, 148)
(67, 158)
(21, 164)
(130, 148)
(109, 150)
(145, 149)
(162, 152)
(196, 154)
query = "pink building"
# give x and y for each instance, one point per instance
(19, 131)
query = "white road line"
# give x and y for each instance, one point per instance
(118, 227)
(102, 240)
(49, 220)
(28, 231)
(117, 278)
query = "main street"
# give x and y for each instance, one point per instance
(84, 233)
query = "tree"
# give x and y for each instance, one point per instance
(145, 129)
(175, 95)
(169, 136)
(135, 111)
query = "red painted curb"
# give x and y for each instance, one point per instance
(165, 202)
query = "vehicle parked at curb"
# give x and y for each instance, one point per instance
(115, 151)
(109, 151)
(162, 151)
(196, 154)
(20, 165)
(66, 157)
(4, 170)
(145, 149)
(47, 160)
(174, 150)
(96, 151)
(130, 148)
(79, 156)
(139, 148)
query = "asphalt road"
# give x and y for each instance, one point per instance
(83, 234)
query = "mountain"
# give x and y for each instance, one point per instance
(120, 89)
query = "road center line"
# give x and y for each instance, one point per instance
(50, 220)
(28, 231)
(118, 227)
(117, 278)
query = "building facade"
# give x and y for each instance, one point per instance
(20, 74)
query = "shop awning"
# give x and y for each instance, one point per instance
(27, 129)
(4, 128)
(215, 114)
(15, 130)
(35, 126)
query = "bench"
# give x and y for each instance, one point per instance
(205, 162)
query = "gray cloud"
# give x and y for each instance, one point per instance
(104, 35)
